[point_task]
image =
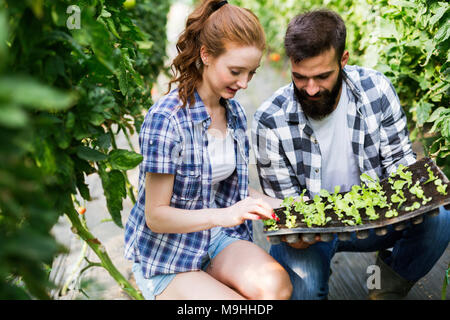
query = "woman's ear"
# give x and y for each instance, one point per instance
(204, 56)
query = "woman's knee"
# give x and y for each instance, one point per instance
(274, 285)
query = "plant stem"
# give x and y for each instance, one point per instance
(74, 269)
(100, 251)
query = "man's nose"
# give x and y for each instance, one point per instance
(311, 87)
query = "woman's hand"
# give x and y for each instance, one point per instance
(247, 209)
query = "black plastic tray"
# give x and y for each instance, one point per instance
(333, 227)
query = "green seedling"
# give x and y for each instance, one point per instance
(431, 176)
(418, 192)
(441, 188)
(399, 198)
(319, 218)
(405, 175)
(414, 206)
(391, 213)
(399, 184)
(371, 183)
(287, 203)
(271, 224)
(291, 221)
(314, 213)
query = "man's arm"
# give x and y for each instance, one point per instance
(275, 173)
(395, 145)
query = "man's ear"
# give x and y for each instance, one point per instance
(344, 58)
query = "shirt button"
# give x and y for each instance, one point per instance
(315, 141)
(317, 170)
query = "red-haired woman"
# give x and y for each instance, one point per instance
(189, 234)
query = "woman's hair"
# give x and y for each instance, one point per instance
(311, 33)
(213, 24)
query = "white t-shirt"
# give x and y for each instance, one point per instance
(339, 165)
(223, 162)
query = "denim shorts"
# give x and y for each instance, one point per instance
(155, 285)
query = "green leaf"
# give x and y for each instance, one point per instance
(442, 9)
(3, 37)
(122, 76)
(89, 154)
(423, 111)
(12, 116)
(436, 114)
(30, 93)
(96, 119)
(122, 159)
(403, 3)
(114, 188)
(443, 33)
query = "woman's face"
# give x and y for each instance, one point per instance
(232, 70)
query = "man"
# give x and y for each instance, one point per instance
(330, 125)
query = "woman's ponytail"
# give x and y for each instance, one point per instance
(212, 24)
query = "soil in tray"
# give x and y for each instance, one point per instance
(419, 173)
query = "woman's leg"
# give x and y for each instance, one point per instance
(197, 285)
(248, 269)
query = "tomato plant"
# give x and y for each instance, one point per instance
(65, 93)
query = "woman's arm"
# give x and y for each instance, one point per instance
(162, 218)
(274, 202)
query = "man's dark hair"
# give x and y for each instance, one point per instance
(311, 33)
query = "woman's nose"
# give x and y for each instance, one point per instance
(243, 82)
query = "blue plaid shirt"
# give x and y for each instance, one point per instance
(173, 140)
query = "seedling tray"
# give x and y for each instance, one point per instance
(343, 231)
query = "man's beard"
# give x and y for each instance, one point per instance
(321, 108)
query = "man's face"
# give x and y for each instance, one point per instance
(318, 82)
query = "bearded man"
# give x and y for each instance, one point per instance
(330, 125)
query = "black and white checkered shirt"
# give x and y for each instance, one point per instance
(287, 152)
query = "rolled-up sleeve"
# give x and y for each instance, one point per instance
(395, 145)
(160, 144)
(274, 172)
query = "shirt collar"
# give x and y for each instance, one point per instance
(198, 110)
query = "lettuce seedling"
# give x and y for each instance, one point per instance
(402, 174)
(314, 213)
(271, 224)
(391, 213)
(418, 192)
(398, 197)
(291, 221)
(399, 184)
(414, 206)
(288, 202)
(441, 188)
(335, 199)
(431, 176)
(320, 218)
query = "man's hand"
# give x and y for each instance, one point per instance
(300, 244)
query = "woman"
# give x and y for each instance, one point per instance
(191, 227)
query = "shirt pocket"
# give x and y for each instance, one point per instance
(188, 182)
